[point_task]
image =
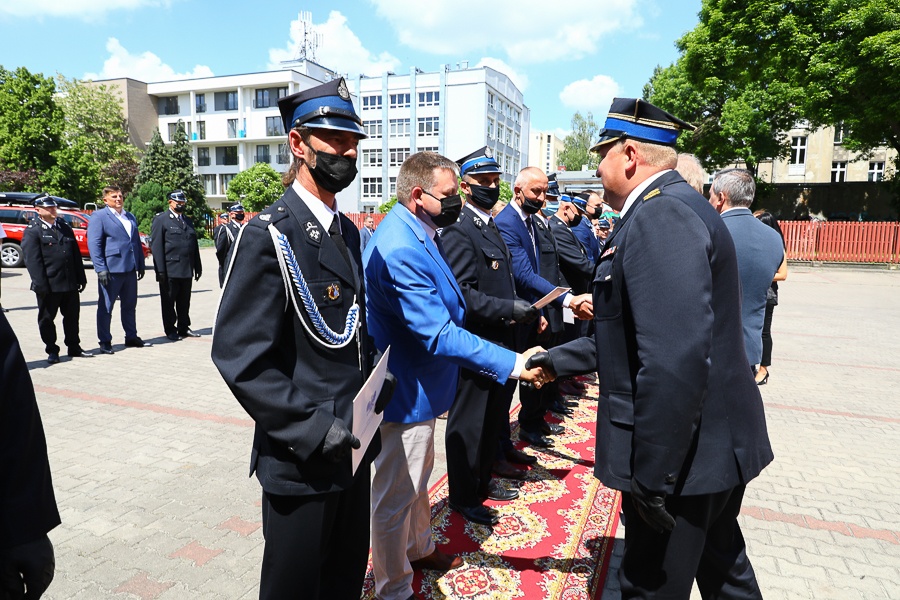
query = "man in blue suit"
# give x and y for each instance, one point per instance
(516, 225)
(115, 246)
(415, 306)
(759, 248)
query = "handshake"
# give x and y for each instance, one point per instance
(538, 367)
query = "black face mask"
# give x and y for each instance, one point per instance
(531, 205)
(484, 197)
(575, 220)
(450, 208)
(333, 172)
(179, 208)
(239, 217)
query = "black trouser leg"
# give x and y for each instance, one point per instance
(180, 289)
(167, 303)
(70, 307)
(48, 306)
(316, 546)
(767, 337)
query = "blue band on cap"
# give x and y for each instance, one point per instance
(475, 162)
(643, 132)
(313, 104)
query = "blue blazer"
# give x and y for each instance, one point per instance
(759, 254)
(530, 285)
(110, 246)
(414, 305)
(584, 232)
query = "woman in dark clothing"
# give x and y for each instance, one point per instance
(762, 376)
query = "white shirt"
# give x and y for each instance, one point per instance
(125, 221)
(321, 211)
(632, 197)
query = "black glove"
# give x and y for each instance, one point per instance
(338, 442)
(141, 274)
(543, 360)
(28, 566)
(387, 390)
(161, 277)
(652, 507)
(197, 275)
(81, 287)
(103, 278)
(524, 312)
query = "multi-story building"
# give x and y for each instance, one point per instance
(544, 150)
(452, 111)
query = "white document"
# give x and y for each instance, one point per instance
(556, 293)
(365, 421)
(568, 316)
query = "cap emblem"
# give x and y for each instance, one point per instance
(488, 153)
(342, 90)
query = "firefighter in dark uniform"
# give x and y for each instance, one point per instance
(481, 263)
(224, 237)
(57, 276)
(176, 259)
(291, 343)
(27, 503)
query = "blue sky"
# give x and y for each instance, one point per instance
(565, 56)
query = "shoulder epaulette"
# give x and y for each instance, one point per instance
(652, 194)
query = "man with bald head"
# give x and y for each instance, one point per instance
(517, 228)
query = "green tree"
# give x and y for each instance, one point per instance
(30, 122)
(256, 188)
(172, 168)
(739, 79)
(577, 145)
(387, 206)
(94, 143)
(145, 202)
(506, 192)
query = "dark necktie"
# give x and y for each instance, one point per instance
(440, 247)
(529, 223)
(335, 232)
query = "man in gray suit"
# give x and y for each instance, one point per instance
(759, 251)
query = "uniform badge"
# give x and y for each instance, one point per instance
(478, 221)
(171, 216)
(312, 230)
(495, 265)
(342, 90)
(655, 192)
(333, 291)
(488, 153)
(609, 251)
(265, 217)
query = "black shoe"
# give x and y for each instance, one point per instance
(504, 469)
(552, 429)
(764, 380)
(189, 333)
(568, 404)
(535, 439)
(500, 493)
(477, 514)
(561, 410)
(80, 354)
(136, 342)
(6, 310)
(514, 455)
(106, 348)
(173, 336)
(53, 358)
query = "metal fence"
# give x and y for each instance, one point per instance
(836, 241)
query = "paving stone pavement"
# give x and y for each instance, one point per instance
(149, 451)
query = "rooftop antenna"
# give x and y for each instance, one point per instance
(311, 39)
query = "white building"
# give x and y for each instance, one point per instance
(544, 150)
(452, 112)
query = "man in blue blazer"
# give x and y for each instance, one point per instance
(516, 225)
(759, 251)
(415, 306)
(681, 428)
(115, 246)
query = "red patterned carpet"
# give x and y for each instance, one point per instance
(553, 542)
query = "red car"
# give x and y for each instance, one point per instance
(15, 216)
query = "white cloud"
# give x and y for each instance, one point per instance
(518, 78)
(528, 31)
(146, 67)
(83, 9)
(593, 95)
(339, 49)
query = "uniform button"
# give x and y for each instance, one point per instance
(671, 478)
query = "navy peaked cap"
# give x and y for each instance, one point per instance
(325, 106)
(637, 119)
